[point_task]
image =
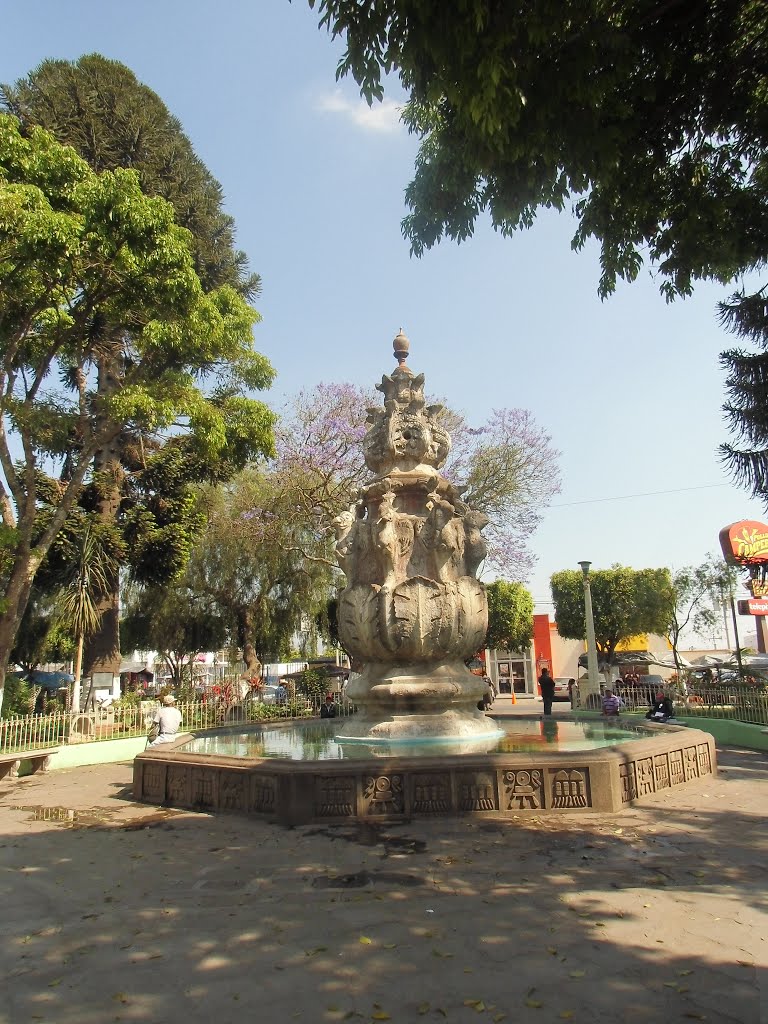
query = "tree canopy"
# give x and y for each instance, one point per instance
(259, 564)
(140, 490)
(508, 466)
(649, 116)
(696, 599)
(100, 108)
(625, 603)
(510, 616)
(78, 250)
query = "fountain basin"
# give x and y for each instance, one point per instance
(528, 771)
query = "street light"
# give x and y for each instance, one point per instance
(593, 685)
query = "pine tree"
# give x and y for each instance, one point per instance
(746, 385)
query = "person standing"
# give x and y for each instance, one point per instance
(547, 687)
(571, 685)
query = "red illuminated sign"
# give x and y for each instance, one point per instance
(745, 543)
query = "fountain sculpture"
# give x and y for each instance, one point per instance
(413, 609)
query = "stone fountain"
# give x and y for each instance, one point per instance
(413, 609)
(411, 613)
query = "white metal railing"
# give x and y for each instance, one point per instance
(743, 702)
(34, 732)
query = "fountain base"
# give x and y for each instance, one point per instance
(422, 701)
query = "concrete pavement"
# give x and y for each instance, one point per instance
(114, 911)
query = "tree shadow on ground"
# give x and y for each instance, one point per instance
(656, 913)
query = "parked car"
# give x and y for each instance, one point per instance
(266, 694)
(561, 688)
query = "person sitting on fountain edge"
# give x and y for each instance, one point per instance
(611, 704)
(662, 708)
(328, 709)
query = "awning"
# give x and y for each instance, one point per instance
(622, 658)
(135, 667)
(51, 680)
(668, 660)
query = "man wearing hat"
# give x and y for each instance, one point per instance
(166, 720)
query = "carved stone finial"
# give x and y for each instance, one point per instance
(401, 346)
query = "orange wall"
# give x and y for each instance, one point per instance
(542, 644)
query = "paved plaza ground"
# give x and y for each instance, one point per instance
(116, 911)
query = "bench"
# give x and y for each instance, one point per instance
(40, 759)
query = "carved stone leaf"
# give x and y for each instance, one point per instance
(358, 620)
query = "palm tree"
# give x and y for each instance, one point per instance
(77, 604)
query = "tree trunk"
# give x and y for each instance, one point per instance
(17, 597)
(102, 649)
(245, 636)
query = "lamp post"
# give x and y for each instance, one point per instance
(593, 685)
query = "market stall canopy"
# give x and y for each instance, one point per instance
(135, 667)
(624, 658)
(331, 671)
(668, 661)
(51, 680)
(712, 660)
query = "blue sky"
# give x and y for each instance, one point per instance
(630, 389)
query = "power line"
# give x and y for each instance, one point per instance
(643, 494)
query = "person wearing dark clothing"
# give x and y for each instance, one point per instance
(328, 710)
(662, 709)
(547, 687)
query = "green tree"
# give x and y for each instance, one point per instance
(260, 564)
(650, 115)
(78, 250)
(139, 490)
(695, 599)
(510, 616)
(170, 620)
(625, 603)
(507, 465)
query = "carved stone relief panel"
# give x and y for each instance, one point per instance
(153, 782)
(335, 798)
(384, 794)
(705, 764)
(645, 779)
(691, 763)
(204, 787)
(628, 779)
(177, 784)
(477, 791)
(430, 792)
(232, 792)
(262, 798)
(676, 768)
(524, 789)
(661, 771)
(570, 787)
